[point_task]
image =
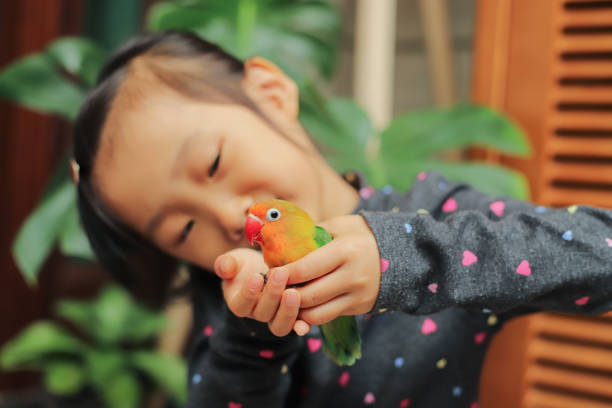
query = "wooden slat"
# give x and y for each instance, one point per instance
(535, 398)
(588, 69)
(583, 120)
(580, 146)
(593, 17)
(568, 196)
(591, 172)
(560, 325)
(572, 354)
(584, 94)
(579, 381)
(585, 43)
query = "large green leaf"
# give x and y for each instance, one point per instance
(40, 230)
(344, 129)
(73, 241)
(36, 82)
(302, 37)
(37, 342)
(169, 372)
(491, 179)
(421, 134)
(81, 57)
(64, 377)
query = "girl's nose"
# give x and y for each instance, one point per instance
(232, 215)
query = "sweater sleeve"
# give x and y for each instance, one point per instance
(238, 362)
(451, 245)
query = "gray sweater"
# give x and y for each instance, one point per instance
(457, 264)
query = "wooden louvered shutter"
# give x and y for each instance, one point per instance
(548, 65)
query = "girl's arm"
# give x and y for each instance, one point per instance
(451, 245)
(238, 361)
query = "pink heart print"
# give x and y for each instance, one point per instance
(384, 264)
(404, 403)
(498, 207)
(266, 353)
(422, 176)
(468, 258)
(234, 405)
(344, 379)
(314, 344)
(429, 326)
(609, 242)
(449, 205)
(208, 330)
(479, 338)
(582, 301)
(433, 287)
(369, 398)
(523, 268)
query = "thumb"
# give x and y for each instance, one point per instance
(226, 267)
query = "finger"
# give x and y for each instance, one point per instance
(268, 302)
(283, 321)
(315, 264)
(326, 312)
(244, 299)
(324, 289)
(226, 266)
(301, 328)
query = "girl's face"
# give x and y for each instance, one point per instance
(183, 173)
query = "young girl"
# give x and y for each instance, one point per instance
(179, 139)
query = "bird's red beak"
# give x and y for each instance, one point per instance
(252, 228)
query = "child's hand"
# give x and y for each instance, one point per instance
(242, 272)
(353, 286)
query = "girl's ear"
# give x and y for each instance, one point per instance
(270, 84)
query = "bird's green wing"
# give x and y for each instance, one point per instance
(321, 236)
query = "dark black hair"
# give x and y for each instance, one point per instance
(198, 69)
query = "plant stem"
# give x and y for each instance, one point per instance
(245, 25)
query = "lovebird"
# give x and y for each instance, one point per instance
(286, 233)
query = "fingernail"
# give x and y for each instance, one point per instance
(280, 276)
(291, 299)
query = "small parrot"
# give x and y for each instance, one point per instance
(286, 233)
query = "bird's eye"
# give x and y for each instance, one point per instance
(273, 214)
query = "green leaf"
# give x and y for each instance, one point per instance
(111, 311)
(421, 134)
(41, 229)
(37, 342)
(490, 179)
(79, 312)
(169, 372)
(122, 391)
(64, 377)
(79, 56)
(142, 324)
(344, 129)
(103, 364)
(35, 82)
(73, 241)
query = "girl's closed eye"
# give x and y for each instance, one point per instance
(215, 166)
(183, 237)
